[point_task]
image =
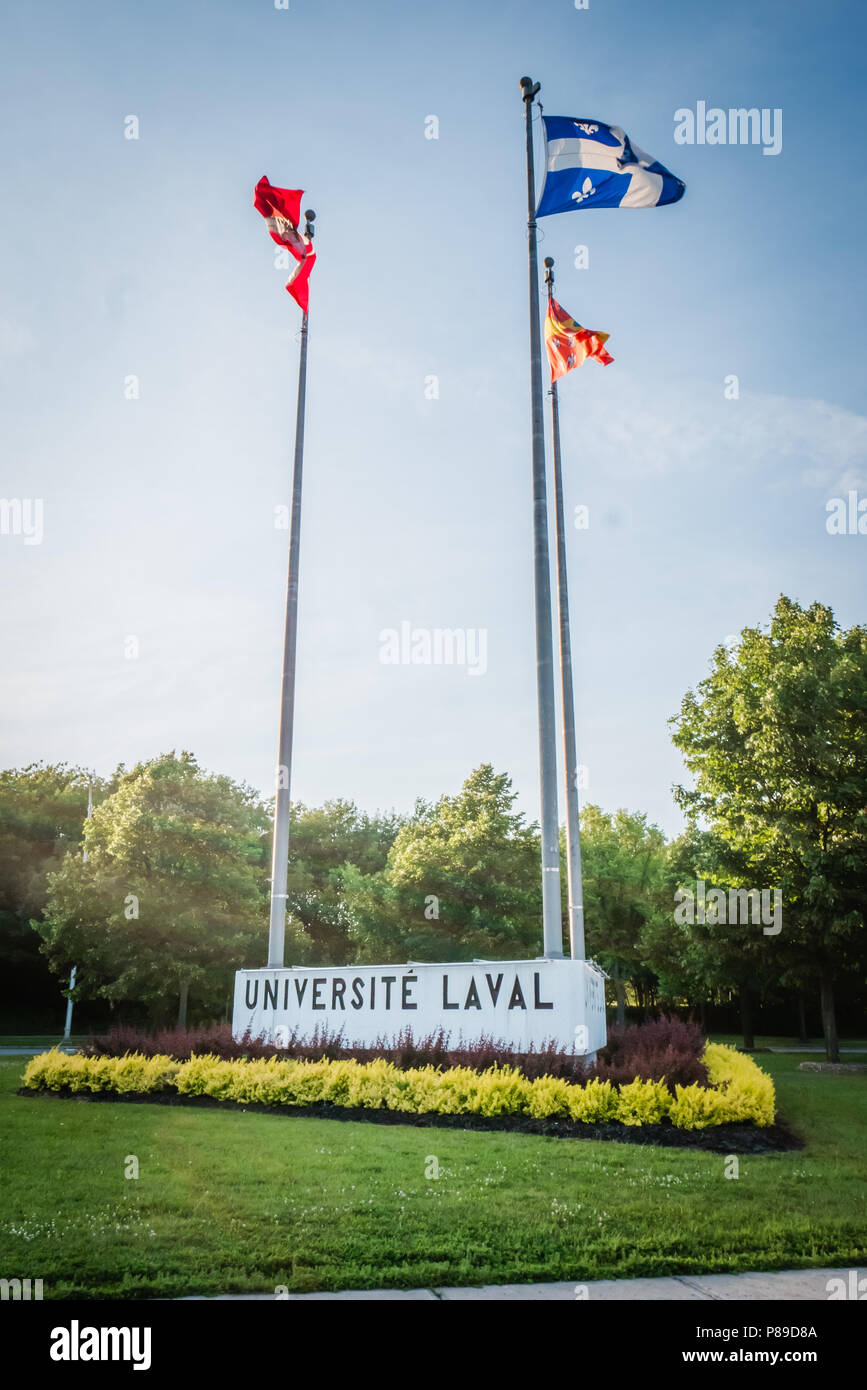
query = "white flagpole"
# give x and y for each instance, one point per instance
(552, 922)
(573, 833)
(280, 848)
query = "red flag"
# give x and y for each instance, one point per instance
(568, 344)
(281, 208)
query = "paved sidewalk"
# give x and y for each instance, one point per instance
(790, 1285)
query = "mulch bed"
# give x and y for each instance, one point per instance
(727, 1139)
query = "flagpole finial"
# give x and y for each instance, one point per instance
(310, 218)
(549, 273)
(529, 88)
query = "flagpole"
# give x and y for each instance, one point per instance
(552, 925)
(570, 753)
(280, 849)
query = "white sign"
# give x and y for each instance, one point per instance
(524, 1003)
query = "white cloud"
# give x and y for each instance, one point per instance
(638, 427)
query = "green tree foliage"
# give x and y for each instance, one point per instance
(699, 952)
(172, 898)
(623, 867)
(776, 738)
(323, 840)
(461, 881)
(42, 811)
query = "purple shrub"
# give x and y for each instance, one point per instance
(665, 1048)
(655, 1036)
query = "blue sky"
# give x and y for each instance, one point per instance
(145, 257)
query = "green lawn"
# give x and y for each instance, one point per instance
(229, 1201)
(735, 1040)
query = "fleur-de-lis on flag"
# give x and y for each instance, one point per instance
(587, 191)
(587, 128)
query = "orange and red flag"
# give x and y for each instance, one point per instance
(568, 344)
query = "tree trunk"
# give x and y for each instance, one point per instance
(802, 1020)
(182, 1004)
(620, 996)
(702, 1016)
(747, 1019)
(829, 1016)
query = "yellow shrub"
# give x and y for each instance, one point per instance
(134, 1072)
(454, 1091)
(369, 1084)
(739, 1091)
(422, 1093)
(205, 1076)
(302, 1083)
(54, 1071)
(643, 1103)
(550, 1095)
(502, 1091)
(747, 1090)
(50, 1070)
(695, 1107)
(594, 1102)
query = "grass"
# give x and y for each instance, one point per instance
(41, 1040)
(853, 1045)
(244, 1202)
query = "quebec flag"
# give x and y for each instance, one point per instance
(592, 165)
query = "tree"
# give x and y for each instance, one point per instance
(623, 867)
(702, 945)
(42, 811)
(322, 841)
(462, 880)
(172, 898)
(776, 738)
(667, 946)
